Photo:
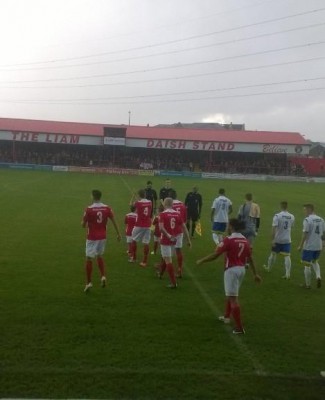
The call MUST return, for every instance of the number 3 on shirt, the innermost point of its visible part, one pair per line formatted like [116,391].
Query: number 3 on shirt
[99,217]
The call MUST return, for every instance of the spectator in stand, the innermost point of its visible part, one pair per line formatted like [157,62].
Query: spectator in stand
[151,195]
[167,191]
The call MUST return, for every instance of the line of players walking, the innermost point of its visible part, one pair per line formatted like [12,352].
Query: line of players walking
[171,219]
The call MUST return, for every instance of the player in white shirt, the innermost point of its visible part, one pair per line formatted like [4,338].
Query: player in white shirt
[220,210]
[281,238]
[312,244]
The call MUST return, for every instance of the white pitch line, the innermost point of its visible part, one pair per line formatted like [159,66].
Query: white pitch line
[259,368]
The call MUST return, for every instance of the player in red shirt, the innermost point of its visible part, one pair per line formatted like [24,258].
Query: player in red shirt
[141,230]
[170,224]
[95,218]
[181,208]
[129,221]
[237,252]
[156,232]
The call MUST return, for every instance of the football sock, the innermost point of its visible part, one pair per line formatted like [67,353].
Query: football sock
[130,249]
[271,260]
[235,311]
[134,250]
[145,253]
[101,266]
[89,270]
[228,309]
[215,238]
[307,275]
[171,273]
[179,256]
[287,264]
[316,269]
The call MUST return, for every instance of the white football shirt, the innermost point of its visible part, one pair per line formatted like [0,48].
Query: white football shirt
[221,206]
[314,226]
[283,222]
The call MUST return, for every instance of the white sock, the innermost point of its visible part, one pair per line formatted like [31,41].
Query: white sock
[215,238]
[271,260]
[316,269]
[287,264]
[307,275]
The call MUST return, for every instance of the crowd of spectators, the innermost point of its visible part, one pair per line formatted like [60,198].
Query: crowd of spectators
[139,158]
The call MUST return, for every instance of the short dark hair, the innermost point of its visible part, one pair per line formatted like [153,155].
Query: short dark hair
[142,193]
[249,196]
[222,191]
[97,194]
[149,183]
[309,206]
[284,205]
[237,225]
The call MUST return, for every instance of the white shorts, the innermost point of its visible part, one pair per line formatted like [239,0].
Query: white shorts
[179,241]
[141,234]
[95,248]
[128,239]
[166,251]
[233,278]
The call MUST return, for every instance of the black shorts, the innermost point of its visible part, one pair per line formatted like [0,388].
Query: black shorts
[193,215]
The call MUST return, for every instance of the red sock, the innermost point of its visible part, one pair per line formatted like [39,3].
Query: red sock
[179,256]
[89,269]
[101,266]
[162,267]
[235,311]
[155,247]
[130,249]
[171,273]
[145,253]
[134,250]
[228,309]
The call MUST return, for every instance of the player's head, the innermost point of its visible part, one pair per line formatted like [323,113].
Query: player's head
[97,194]
[222,191]
[132,208]
[235,225]
[195,189]
[309,208]
[249,196]
[149,184]
[284,205]
[142,193]
[168,202]
[168,183]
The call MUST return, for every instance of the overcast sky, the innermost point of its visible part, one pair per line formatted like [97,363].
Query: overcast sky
[257,62]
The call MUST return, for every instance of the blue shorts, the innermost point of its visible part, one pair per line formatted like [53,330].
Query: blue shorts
[282,248]
[219,227]
[310,256]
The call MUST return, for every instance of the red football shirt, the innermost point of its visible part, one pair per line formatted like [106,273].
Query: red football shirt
[143,210]
[236,248]
[129,221]
[155,223]
[96,217]
[172,222]
[182,210]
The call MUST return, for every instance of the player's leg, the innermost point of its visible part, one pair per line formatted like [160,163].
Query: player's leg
[316,269]
[135,238]
[271,259]
[179,255]
[146,236]
[90,254]
[155,244]
[166,252]
[287,266]
[100,261]
[306,258]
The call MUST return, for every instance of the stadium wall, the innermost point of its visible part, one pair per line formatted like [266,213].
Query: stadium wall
[140,172]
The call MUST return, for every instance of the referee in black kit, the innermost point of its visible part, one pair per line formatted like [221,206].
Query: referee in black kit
[167,191]
[151,195]
[193,203]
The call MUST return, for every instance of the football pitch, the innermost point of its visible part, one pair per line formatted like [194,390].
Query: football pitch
[135,339]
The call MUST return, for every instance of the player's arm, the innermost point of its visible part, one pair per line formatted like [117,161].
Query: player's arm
[208,258]
[84,220]
[164,232]
[116,228]
[257,278]
[273,233]
[303,239]
[230,209]
[185,230]
[212,214]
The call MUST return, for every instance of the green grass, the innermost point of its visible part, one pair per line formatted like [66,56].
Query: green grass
[135,339]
